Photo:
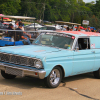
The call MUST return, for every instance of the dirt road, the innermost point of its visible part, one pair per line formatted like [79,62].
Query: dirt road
[80,87]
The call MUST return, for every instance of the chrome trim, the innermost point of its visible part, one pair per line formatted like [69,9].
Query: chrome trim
[76,39]
[20,62]
[19,55]
[55,76]
[26,72]
[35,64]
[74,43]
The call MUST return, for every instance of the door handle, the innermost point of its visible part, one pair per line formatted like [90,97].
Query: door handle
[93,51]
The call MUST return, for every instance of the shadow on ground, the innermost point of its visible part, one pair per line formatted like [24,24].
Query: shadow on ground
[78,77]
[28,82]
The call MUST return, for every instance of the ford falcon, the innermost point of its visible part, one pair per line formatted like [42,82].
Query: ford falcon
[53,56]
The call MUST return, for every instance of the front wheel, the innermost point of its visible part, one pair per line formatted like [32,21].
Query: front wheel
[7,76]
[54,78]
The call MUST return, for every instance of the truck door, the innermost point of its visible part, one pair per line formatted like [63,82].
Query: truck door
[95,47]
[83,57]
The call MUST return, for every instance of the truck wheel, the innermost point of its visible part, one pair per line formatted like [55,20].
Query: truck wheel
[97,73]
[54,78]
[7,76]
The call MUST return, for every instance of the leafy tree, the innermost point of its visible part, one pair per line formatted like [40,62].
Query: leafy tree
[52,10]
[9,7]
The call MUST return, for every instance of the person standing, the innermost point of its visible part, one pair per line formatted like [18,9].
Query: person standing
[67,29]
[78,28]
[10,33]
[88,29]
[16,24]
[20,35]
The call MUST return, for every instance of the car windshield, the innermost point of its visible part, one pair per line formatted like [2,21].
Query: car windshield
[55,40]
[47,28]
[42,28]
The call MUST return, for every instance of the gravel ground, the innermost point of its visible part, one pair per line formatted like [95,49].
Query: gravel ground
[80,87]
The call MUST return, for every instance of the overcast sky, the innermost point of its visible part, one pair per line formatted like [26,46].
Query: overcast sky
[88,0]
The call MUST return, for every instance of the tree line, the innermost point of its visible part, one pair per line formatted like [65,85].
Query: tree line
[52,10]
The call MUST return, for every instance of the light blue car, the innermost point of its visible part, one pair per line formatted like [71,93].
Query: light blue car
[53,56]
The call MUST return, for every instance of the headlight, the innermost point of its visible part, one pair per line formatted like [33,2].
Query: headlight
[38,64]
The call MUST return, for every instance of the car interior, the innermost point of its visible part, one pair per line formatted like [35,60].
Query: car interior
[83,43]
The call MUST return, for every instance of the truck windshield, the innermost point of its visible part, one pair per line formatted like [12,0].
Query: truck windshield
[55,40]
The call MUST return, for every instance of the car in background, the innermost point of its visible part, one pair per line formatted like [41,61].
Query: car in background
[4,25]
[45,21]
[11,40]
[47,28]
[41,30]
[33,25]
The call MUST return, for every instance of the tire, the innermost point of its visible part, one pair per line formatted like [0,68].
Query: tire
[54,78]
[7,76]
[97,74]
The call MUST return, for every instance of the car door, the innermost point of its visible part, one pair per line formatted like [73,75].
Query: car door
[83,58]
[95,46]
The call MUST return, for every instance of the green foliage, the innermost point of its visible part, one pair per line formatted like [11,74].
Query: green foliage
[9,7]
[53,10]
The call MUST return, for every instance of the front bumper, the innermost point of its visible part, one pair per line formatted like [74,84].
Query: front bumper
[22,71]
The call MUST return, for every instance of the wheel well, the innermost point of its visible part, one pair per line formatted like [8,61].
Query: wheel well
[63,72]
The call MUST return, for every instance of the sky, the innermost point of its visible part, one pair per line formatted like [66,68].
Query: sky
[88,0]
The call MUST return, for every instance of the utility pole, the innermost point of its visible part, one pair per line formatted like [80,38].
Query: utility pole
[43,8]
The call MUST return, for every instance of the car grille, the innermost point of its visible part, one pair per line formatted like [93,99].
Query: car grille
[16,59]
[14,71]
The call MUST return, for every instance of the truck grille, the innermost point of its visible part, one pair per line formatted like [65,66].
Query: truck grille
[16,59]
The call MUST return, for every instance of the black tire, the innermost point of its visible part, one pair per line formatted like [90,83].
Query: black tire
[7,76]
[54,78]
[97,74]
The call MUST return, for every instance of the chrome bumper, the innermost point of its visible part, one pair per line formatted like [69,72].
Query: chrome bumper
[22,71]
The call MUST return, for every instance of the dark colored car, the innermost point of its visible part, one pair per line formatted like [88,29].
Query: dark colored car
[3,26]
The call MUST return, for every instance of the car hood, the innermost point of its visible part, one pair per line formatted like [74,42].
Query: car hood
[36,51]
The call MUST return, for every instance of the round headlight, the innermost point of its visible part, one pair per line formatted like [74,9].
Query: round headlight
[38,64]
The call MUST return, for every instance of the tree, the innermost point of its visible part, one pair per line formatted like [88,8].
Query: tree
[9,7]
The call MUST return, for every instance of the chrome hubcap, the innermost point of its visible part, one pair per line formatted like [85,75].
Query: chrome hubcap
[54,77]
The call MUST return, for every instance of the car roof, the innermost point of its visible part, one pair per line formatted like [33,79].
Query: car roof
[80,33]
